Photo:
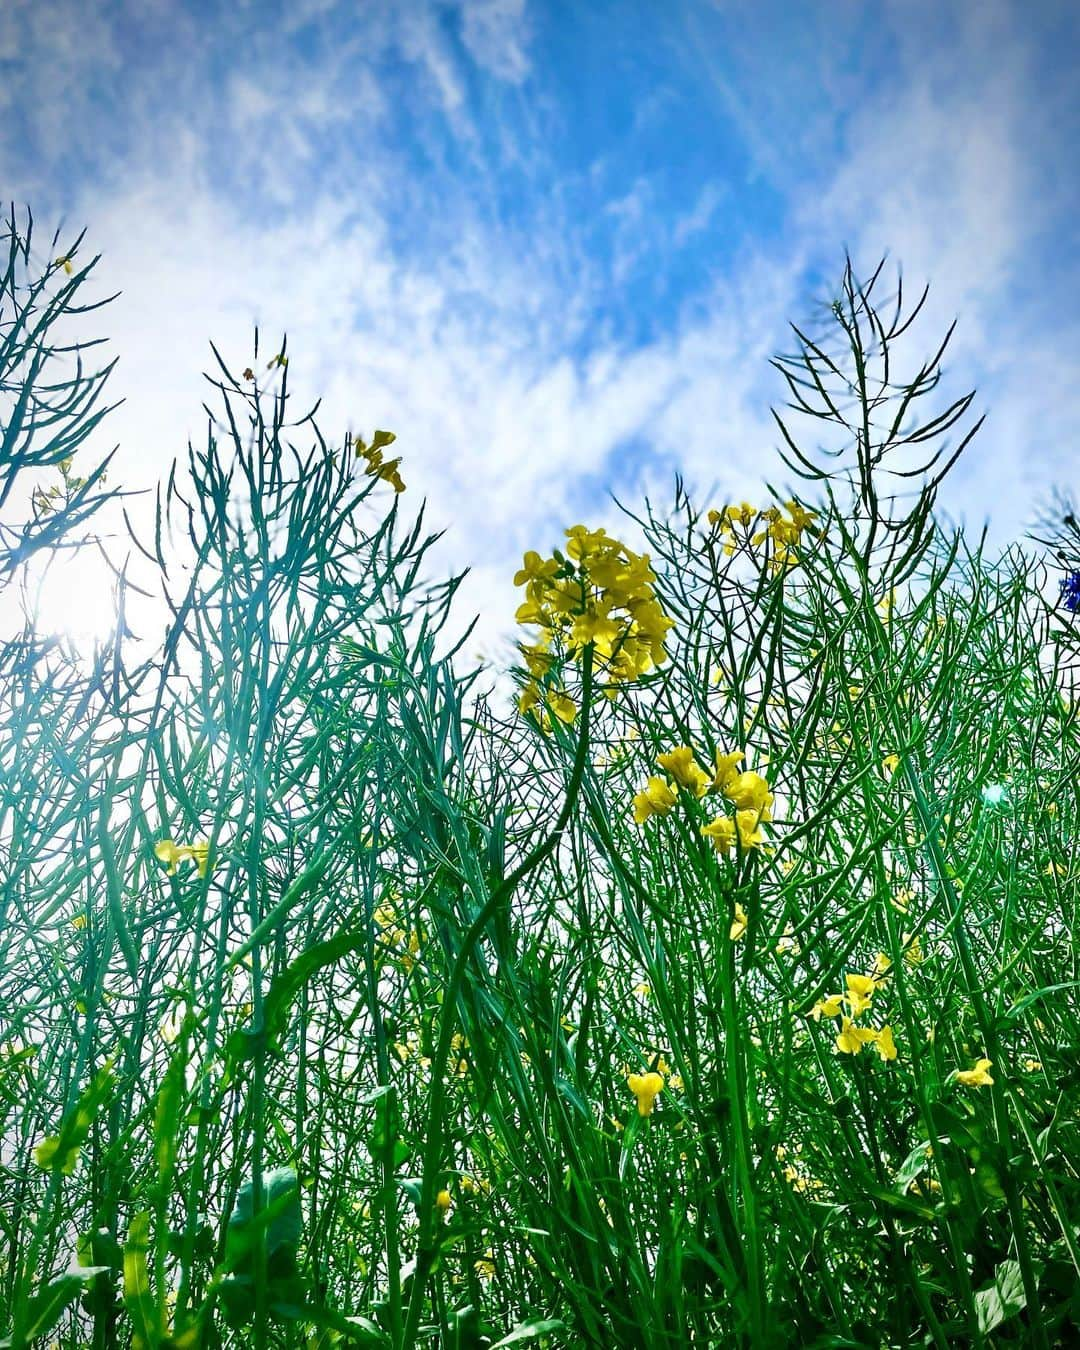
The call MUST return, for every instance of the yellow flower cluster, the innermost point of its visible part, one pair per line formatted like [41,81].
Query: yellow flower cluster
[785,534]
[801,1182]
[403,947]
[860,992]
[373,460]
[167,852]
[600,592]
[753,801]
[748,791]
[44,499]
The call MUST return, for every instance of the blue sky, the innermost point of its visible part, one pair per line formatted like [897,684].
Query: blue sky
[553,245]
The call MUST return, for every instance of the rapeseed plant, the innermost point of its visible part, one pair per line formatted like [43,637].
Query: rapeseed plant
[373,1083]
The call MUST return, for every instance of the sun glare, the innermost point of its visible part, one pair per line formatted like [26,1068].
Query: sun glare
[72,595]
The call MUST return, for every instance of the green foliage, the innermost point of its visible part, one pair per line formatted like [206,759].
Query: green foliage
[322,979]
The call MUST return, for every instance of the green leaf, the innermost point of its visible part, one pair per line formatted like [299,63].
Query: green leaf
[1011,1014]
[281,1220]
[904,1204]
[147,1319]
[1002,1299]
[912,1167]
[567,1090]
[357,1330]
[167,1123]
[248,1043]
[626,1144]
[60,1152]
[530,1330]
[50,1303]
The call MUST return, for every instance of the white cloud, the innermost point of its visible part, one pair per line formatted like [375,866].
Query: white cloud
[700,217]
[496,34]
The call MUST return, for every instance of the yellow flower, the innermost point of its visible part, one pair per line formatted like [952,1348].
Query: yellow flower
[725,768]
[787,941]
[443,1201]
[722,833]
[860,990]
[886,1046]
[656,799]
[913,953]
[598,627]
[529,611]
[738,928]
[535,569]
[385,915]
[852,1038]
[889,763]
[646,1088]
[563,706]
[800,518]
[750,792]
[485,1267]
[976,1077]
[680,764]
[373,454]
[167,852]
[408,959]
[583,542]
[749,835]
[642,990]
[79,921]
[389,473]
[828,1007]
[65,263]
[1032,1065]
[881,966]
[199,854]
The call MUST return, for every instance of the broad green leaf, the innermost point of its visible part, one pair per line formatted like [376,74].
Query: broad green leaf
[530,1331]
[1002,1299]
[50,1303]
[281,1220]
